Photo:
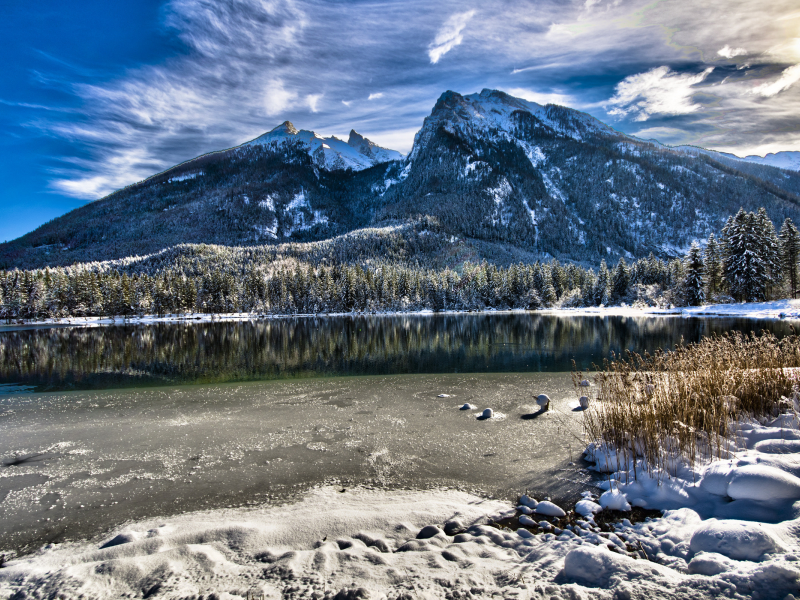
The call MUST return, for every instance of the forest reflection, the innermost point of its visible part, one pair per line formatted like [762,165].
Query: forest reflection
[187,353]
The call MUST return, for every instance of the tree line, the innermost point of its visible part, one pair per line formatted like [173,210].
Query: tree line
[749,261]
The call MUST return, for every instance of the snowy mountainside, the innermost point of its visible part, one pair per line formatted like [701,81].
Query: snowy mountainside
[329,153]
[781,160]
[532,180]
[560,183]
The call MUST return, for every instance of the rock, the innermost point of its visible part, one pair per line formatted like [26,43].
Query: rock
[763,483]
[525,510]
[585,383]
[527,521]
[453,527]
[543,400]
[443,396]
[549,509]
[584,402]
[487,413]
[528,501]
[428,532]
[468,406]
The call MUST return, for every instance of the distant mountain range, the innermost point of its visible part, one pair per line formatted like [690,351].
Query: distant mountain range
[506,176]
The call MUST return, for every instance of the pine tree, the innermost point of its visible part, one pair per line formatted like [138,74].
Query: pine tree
[713,265]
[768,246]
[790,254]
[620,281]
[602,289]
[693,282]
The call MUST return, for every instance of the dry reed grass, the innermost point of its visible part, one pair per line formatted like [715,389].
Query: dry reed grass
[680,406]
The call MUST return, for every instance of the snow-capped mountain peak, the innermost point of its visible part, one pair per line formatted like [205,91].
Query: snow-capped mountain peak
[495,113]
[329,153]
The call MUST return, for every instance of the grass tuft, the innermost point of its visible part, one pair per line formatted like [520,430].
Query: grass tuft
[678,407]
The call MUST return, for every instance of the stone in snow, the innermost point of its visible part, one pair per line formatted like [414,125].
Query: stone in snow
[528,501]
[543,400]
[549,509]
[487,413]
[585,383]
[468,406]
[525,510]
[443,396]
[428,531]
[584,402]
[527,521]
[453,527]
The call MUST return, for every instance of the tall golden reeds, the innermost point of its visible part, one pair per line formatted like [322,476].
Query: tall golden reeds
[680,406]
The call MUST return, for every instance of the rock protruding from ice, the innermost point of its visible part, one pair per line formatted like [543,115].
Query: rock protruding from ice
[584,402]
[528,501]
[487,413]
[468,406]
[527,521]
[428,532]
[739,540]
[543,400]
[549,509]
[453,527]
[525,510]
[443,396]
[585,383]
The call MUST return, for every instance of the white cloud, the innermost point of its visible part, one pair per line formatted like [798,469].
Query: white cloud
[658,91]
[277,98]
[787,79]
[449,36]
[375,96]
[541,98]
[728,52]
[313,100]
[347,103]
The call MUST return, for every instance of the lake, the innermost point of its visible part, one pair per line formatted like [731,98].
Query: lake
[101,426]
[75,358]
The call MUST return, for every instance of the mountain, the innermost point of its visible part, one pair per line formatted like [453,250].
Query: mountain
[561,183]
[331,153]
[783,160]
[508,177]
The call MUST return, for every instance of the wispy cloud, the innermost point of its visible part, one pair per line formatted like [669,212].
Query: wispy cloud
[449,36]
[658,91]
[250,64]
[787,79]
[727,52]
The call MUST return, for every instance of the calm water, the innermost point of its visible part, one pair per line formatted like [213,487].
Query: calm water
[190,353]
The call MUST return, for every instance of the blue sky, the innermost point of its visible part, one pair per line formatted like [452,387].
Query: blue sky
[97,95]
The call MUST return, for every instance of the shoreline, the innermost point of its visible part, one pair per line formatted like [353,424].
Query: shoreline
[774,310]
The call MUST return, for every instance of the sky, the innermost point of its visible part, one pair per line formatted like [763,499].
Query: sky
[98,95]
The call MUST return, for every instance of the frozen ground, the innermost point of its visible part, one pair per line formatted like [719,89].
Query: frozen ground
[77,464]
[731,528]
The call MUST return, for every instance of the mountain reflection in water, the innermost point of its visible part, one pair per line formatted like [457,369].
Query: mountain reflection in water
[188,353]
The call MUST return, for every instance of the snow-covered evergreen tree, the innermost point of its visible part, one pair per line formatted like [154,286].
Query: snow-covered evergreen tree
[694,275]
[790,255]
[713,266]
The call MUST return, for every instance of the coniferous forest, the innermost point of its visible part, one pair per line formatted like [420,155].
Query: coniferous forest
[401,270]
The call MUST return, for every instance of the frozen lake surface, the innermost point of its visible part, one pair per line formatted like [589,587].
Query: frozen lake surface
[78,463]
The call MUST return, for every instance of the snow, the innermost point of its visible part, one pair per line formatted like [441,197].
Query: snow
[737,540]
[328,153]
[548,509]
[185,177]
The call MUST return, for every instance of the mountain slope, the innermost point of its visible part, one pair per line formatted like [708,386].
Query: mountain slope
[529,180]
[561,183]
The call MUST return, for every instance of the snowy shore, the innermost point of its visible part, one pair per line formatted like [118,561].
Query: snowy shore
[776,309]
[731,528]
